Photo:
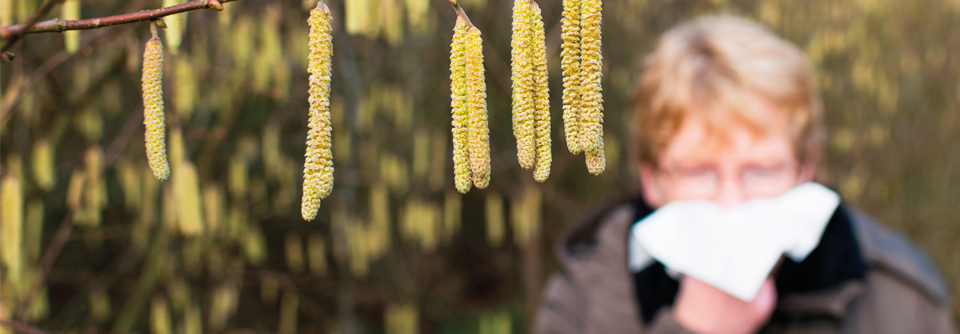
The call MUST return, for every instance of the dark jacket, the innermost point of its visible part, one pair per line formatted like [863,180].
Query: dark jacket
[862,278]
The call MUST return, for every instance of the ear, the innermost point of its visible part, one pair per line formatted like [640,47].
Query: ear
[652,193]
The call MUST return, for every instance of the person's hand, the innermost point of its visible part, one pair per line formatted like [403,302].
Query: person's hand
[704,309]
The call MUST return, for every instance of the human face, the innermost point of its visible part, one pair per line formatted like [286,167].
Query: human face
[699,165]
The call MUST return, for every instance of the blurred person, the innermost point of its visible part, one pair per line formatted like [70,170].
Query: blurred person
[728,112]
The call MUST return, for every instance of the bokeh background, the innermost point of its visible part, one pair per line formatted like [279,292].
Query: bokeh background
[221,246]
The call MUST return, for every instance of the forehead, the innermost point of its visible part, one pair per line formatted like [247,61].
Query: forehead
[737,142]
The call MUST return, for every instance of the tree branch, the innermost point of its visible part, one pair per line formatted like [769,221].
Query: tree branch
[58,25]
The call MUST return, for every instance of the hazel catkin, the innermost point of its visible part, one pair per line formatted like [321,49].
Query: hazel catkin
[477,103]
[459,109]
[596,160]
[522,66]
[541,95]
[318,162]
[570,66]
[153,118]
[591,117]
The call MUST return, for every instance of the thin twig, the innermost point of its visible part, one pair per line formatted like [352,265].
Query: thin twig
[21,327]
[461,13]
[58,25]
[53,251]
[11,40]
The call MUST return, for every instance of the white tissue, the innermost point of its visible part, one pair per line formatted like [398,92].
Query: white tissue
[735,249]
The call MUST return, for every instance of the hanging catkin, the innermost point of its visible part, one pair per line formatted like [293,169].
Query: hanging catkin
[523,89]
[591,113]
[570,65]
[152,82]
[458,104]
[477,104]
[318,163]
[541,94]
[596,161]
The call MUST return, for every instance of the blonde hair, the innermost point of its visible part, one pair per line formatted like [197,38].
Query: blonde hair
[714,66]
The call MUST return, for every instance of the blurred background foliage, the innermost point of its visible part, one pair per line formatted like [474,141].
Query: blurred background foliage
[221,246]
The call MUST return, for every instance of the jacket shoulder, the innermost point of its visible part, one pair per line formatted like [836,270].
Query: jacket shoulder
[890,252]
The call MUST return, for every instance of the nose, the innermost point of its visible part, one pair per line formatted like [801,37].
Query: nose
[730,192]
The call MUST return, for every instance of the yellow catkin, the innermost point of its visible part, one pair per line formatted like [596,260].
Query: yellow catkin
[591,117]
[541,95]
[522,77]
[596,161]
[43,168]
[75,190]
[159,316]
[459,109]
[380,214]
[11,227]
[570,65]
[71,38]
[318,165]
[93,192]
[152,82]
[479,133]
[254,247]
[6,12]
[213,206]
[189,204]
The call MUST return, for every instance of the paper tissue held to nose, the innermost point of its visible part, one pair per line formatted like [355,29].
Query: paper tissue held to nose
[734,249]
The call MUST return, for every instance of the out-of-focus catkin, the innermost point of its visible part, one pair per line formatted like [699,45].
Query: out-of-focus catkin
[523,83]
[318,165]
[153,119]
[541,95]
[43,165]
[71,38]
[570,66]
[477,101]
[175,25]
[591,117]
[458,105]
[11,226]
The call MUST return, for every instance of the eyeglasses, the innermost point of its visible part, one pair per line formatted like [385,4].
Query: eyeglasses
[704,182]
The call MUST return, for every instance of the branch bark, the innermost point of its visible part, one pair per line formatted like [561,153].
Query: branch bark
[57,25]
